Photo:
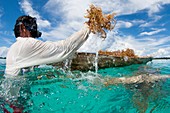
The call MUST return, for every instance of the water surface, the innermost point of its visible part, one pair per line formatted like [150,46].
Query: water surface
[54,90]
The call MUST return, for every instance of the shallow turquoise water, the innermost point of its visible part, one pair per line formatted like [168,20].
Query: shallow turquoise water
[60,91]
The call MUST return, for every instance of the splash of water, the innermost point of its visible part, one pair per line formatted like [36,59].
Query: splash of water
[66,64]
[10,87]
[97,55]
[96,62]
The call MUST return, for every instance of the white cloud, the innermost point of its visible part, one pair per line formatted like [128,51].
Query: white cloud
[131,6]
[93,44]
[72,15]
[3,51]
[123,24]
[8,41]
[60,32]
[148,46]
[73,12]
[1,13]
[152,32]
[155,8]
[155,18]
[27,8]
[161,52]
[137,21]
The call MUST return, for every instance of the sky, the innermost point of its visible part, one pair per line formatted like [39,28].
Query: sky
[142,25]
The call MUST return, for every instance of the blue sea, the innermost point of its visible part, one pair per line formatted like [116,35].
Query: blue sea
[50,89]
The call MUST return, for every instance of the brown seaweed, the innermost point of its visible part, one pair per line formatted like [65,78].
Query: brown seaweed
[98,21]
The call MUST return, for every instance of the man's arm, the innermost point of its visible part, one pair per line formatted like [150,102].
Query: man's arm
[50,52]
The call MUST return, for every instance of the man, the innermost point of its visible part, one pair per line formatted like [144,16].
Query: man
[27,51]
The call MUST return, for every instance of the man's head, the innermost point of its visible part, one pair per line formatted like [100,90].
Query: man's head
[26,26]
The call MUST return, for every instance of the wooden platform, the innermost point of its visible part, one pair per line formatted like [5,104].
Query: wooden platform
[86,61]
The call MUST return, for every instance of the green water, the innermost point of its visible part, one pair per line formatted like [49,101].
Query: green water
[60,91]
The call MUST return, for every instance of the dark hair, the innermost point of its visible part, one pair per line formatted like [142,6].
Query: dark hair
[29,23]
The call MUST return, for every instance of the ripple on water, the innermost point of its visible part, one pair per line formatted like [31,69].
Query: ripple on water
[79,92]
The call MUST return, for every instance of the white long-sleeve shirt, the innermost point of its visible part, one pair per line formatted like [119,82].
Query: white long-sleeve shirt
[27,52]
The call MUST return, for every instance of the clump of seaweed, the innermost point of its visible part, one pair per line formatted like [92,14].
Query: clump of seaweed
[128,52]
[98,21]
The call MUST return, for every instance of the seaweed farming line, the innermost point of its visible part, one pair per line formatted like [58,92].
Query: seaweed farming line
[156,58]
[161,58]
[2,57]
